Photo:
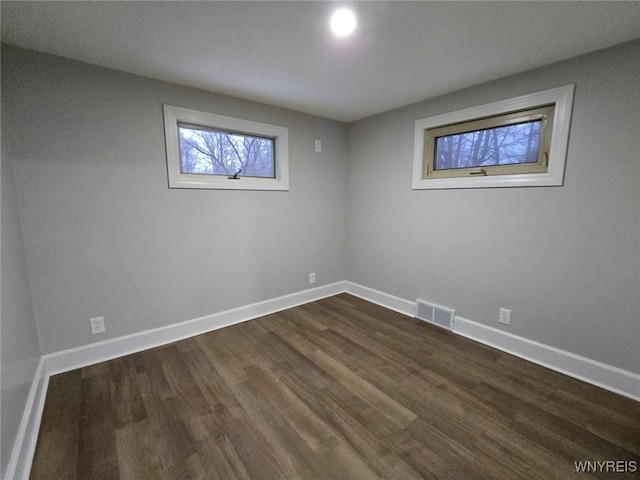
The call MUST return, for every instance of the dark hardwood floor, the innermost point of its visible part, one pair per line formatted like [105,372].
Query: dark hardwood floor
[337,389]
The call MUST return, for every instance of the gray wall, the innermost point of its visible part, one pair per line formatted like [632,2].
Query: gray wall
[85,202]
[20,348]
[565,259]
[103,235]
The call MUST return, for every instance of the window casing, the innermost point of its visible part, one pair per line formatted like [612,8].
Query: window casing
[516,142]
[206,150]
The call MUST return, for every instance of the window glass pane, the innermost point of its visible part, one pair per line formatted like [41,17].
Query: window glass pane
[507,145]
[210,152]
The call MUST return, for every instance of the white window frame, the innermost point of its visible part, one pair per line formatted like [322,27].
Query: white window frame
[175,115]
[561,98]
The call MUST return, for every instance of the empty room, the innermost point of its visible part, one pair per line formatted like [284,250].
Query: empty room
[320,240]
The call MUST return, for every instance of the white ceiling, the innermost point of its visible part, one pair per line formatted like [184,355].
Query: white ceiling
[282,53]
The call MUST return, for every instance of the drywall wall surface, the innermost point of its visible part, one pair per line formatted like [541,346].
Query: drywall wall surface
[105,236]
[565,259]
[20,347]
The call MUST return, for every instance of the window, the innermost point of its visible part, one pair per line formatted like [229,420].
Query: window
[517,142]
[205,151]
[504,144]
[211,151]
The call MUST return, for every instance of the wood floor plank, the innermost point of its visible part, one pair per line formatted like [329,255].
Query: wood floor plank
[58,442]
[359,426]
[334,389]
[137,455]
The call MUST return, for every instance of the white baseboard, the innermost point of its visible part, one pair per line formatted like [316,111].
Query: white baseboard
[24,446]
[611,378]
[21,459]
[591,371]
[74,358]
[391,302]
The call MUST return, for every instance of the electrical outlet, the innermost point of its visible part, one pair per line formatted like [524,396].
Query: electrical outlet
[312,278]
[97,325]
[505,316]
[318,146]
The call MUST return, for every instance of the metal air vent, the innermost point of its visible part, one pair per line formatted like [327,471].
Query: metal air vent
[435,314]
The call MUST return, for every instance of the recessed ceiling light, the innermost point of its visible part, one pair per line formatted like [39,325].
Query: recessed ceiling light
[343,22]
